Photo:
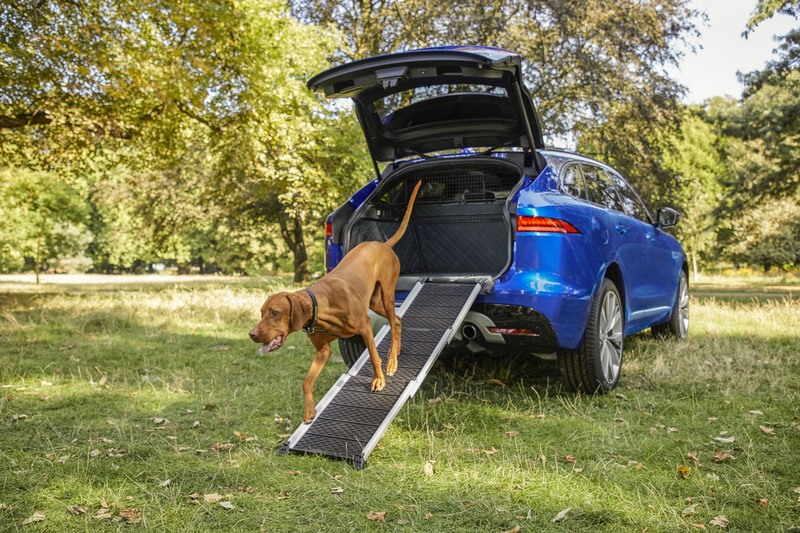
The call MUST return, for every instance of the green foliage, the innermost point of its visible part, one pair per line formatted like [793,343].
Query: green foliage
[766,9]
[176,119]
[767,235]
[692,155]
[41,218]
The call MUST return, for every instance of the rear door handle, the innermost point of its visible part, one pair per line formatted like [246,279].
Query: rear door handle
[622,230]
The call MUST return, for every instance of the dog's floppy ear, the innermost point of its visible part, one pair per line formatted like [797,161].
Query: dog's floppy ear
[300,311]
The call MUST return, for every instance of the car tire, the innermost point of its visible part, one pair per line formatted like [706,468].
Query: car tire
[596,366]
[351,349]
[677,327]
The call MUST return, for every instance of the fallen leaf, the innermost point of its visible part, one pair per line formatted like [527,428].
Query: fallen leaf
[212,498]
[757,413]
[5,507]
[102,381]
[511,434]
[427,469]
[720,456]
[195,495]
[689,511]
[619,420]
[562,515]
[37,516]
[165,483]
[768,431]
[283,496]
[515,529]
[377,517]
[762,502]
[103,514]
[684,471]
[725,440]
[293,473]
[159,421]
[490,451]
[698,526]
[195,424]
[720,521]
[227,505]
[692,456]
[242,436]
[77,509]
[570,459]
[129,516]
[493,381]
[17,418]
[636,465]
[337,490]
[45,383]
[428,516]
[221,447]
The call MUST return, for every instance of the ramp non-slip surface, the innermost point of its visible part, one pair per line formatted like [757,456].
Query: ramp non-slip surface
[351,418]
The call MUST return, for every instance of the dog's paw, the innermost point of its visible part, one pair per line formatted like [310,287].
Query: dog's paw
[391,366]
[378,384]
[308,415]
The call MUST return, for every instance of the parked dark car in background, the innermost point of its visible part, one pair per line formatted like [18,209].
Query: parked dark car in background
[570,258]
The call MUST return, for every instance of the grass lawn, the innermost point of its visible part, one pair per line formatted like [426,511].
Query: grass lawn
[146,405]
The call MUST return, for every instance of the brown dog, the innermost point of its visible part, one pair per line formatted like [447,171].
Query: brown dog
[364,279]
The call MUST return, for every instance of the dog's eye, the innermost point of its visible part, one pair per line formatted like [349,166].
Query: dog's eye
[273,313]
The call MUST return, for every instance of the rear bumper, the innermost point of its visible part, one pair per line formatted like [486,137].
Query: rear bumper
[506,327]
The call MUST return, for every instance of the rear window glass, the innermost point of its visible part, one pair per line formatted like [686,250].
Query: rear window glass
[388,105]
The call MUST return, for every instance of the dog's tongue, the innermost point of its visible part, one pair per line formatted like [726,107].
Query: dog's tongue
[272,345]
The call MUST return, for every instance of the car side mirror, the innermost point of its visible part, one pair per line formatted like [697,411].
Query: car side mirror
[667,217]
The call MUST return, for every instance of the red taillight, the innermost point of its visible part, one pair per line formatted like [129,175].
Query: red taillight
[545,225]
[514,331]
[328,230]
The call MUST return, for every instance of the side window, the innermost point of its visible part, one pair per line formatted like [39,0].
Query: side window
[572,182]
[601,191]
[631,203]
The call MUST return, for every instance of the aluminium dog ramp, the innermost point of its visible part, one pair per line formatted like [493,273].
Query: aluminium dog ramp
[351,419]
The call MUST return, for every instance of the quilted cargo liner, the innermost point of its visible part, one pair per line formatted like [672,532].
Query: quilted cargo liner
[450,239]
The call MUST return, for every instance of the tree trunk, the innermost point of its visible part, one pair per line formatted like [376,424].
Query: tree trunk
[37,262]
[292,233]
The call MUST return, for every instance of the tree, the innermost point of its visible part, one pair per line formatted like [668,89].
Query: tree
[694,157]
[40,218]
[201,105]
[766,9]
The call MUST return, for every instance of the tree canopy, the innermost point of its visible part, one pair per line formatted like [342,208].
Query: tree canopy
[183,132]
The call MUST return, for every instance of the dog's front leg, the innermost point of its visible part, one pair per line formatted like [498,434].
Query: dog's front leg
[320,358]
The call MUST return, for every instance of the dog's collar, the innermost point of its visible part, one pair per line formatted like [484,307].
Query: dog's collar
[311,328]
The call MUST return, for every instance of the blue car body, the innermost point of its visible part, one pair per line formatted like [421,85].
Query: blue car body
[542,228]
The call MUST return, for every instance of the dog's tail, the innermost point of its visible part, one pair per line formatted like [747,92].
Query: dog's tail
[404,224]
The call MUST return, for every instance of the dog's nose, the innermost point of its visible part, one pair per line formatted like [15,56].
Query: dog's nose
[253,334]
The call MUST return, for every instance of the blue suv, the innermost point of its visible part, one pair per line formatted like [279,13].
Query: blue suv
[570,258]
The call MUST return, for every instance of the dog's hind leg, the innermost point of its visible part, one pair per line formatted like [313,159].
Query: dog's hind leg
[382,303]
[378,379]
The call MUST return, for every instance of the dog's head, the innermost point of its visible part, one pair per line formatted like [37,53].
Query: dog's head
[282,314]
